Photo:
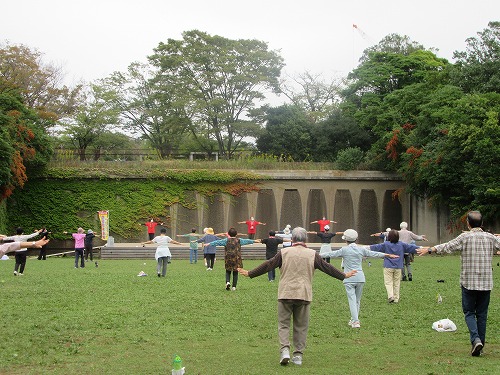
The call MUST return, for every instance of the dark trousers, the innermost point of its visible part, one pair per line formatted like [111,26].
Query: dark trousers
[475,307]
[235,277]
[79,254]
[43,253]
[20,262]
[210,260]
[89,251]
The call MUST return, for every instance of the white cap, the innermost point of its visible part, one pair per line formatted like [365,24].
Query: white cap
[327,227]
[350,235]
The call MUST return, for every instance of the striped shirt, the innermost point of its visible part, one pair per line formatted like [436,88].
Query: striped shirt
[477,248]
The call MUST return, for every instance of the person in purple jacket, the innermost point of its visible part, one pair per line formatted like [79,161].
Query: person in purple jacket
[393,266]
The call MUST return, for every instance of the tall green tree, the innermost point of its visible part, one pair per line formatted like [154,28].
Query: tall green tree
[219,81]
[149,107]
[478,67]
[287,134]
[92,118]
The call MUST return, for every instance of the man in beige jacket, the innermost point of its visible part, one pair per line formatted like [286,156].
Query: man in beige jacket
[297,264]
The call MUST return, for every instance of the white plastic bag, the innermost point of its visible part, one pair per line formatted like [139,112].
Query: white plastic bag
[444,325]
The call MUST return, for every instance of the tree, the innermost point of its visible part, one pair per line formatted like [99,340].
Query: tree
[314,95]
[394,43]
[23,143]
[460,166]
[23,70]
[91,119]
[219,80]
[287,134]
[478,67]
[149,107]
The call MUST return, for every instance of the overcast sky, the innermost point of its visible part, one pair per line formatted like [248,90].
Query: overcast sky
[91,39]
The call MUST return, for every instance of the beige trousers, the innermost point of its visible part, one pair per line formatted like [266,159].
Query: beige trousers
[392,282]
[299,310]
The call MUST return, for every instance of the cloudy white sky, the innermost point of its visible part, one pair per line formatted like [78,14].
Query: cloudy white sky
[91,39]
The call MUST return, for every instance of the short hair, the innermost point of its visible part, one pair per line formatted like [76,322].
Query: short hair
[163,230]
[403,225]
[475,219]
[272,233]
[299,234]
[393,236]
[232,232]
[193,230]
[19,230]
[80,230]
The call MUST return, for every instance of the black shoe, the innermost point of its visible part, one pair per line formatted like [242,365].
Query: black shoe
[410,277]
[476,348]
[404,278]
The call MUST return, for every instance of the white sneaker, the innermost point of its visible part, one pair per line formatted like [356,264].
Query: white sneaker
[15,273]
[228,285]
[233,288]
[350,323]
[297,359]
[19,274]
[285,357]
[356,325]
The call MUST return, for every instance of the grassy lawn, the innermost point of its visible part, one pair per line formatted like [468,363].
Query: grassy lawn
[106,320]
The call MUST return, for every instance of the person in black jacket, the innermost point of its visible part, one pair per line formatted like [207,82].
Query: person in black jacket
[271,249]
[89,245]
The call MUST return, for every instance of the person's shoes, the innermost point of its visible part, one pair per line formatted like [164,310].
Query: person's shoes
[208,268]
[356,325]
[404,278]
[228,285]
[410,277]
[15,273]
[285,357]
[297,359]
[350,323]
[477,346]
[159,275]
[233,288]
[390,300]
[19,274]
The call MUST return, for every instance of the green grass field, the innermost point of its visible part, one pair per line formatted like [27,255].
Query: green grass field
[106,320]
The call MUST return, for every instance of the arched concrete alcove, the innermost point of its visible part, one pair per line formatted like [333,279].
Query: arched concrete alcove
[368,216]
[266,212]
[238,211]
[291,209]
[343,212]
[391,211]
[316,208]
[214,213]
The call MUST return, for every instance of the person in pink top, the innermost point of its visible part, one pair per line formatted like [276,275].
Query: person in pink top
[79,238]
[251,226]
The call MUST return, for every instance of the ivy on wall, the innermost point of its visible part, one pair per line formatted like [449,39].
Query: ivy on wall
[65,199]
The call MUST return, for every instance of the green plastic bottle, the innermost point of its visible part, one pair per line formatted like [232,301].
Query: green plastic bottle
[177,363]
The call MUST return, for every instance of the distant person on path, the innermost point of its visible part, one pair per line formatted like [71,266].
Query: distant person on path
[251,226]
[209,250]
[21,254]
[232,255]
[272,243]
[476,249]
[79,238]
[322,222]
[151,225]
[44,233]
[297,264]
[353,255]
[326,239]
[393,266]
[162,254]
[407,236]
[89,245]
[193,245]
[286,236]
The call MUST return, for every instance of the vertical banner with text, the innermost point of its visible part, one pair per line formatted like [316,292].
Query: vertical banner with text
[104,219]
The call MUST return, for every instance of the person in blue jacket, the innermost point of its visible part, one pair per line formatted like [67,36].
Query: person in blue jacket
[353,255]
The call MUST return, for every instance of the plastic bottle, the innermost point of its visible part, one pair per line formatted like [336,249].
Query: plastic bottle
[177,366]
[439,298]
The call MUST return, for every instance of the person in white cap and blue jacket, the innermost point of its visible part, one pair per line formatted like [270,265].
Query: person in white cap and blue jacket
[352,256]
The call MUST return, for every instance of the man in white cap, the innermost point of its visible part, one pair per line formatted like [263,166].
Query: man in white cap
[326,239]
[408,236]
[352,256]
